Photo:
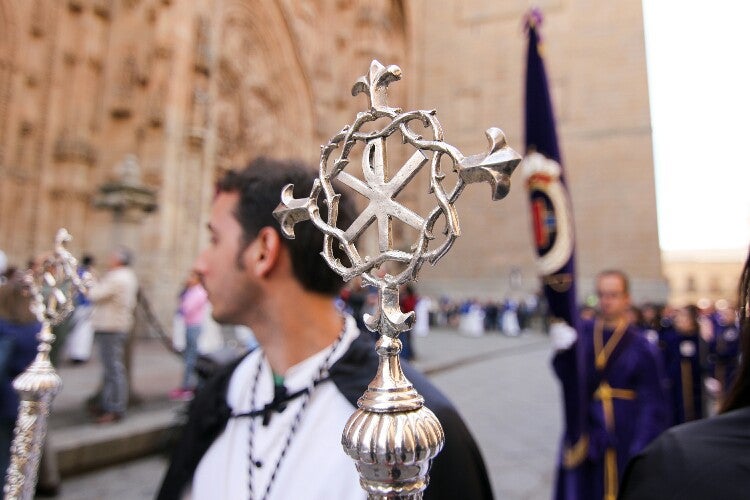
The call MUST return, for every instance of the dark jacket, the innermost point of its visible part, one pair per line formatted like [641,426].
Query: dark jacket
[704,459]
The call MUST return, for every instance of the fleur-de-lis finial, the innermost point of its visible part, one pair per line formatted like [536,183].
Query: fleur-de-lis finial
[494,167]
[376,85]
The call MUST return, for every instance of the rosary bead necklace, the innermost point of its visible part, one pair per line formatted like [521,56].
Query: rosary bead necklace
[306,394]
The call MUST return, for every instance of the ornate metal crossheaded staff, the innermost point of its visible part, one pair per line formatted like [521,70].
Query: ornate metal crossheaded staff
[392,436]
[52,286]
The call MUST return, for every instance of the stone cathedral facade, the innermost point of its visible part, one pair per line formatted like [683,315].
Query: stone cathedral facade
[167,94]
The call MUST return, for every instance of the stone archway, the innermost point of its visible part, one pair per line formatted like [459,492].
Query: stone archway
[263,104]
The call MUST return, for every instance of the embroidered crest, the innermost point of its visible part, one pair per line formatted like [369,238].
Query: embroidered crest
[552,217]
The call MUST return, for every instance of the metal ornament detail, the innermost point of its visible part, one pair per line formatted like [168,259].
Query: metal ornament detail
[52,286]
[392,436]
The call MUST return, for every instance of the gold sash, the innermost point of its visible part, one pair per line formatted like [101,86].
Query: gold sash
[606,394]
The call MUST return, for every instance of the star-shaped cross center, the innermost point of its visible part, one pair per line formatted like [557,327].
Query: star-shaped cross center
[381,193]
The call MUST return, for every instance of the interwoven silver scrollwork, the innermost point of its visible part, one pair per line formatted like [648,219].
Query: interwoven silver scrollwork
[494,167]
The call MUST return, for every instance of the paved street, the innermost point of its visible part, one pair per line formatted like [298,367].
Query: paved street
[508,396]
[502,386]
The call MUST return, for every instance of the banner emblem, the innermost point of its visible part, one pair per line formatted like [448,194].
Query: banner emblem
[551,213]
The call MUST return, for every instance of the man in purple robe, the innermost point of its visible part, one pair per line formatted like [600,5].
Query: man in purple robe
[682,361]
[625,403]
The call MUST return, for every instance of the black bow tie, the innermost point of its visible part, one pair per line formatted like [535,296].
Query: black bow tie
[281,398]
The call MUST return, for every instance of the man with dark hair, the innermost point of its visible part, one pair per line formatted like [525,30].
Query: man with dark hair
[622,388]
[270,424]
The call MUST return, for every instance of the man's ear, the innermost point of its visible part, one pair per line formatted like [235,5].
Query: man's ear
[265,251]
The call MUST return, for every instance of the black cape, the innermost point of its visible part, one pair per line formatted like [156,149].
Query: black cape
[704,459]
[457,472]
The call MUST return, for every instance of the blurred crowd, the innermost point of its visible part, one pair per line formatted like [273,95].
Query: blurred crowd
[699,345]
[471,316]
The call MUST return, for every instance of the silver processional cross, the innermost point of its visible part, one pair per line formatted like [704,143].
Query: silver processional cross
[392,436]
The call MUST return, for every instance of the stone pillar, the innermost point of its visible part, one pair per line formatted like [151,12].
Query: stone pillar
[130,201]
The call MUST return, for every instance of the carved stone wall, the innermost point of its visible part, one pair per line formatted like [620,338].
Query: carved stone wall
[263,103]
[194,87]
[191,88]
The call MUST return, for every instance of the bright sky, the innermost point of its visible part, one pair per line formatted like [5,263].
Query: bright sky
[699,86]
